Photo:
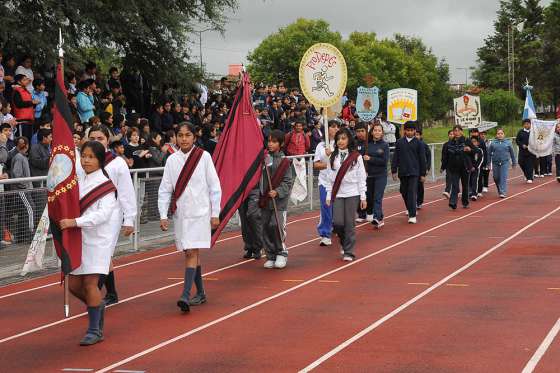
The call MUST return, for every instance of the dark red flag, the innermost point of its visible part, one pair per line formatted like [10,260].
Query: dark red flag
[239,154]
[62,182]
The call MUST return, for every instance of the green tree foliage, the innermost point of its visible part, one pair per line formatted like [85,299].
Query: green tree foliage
[398,62]
[150,36]
[500,106]
[525,21]
[551,55]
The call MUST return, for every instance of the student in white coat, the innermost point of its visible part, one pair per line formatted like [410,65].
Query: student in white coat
[97,202]
[190,186]
[125,213]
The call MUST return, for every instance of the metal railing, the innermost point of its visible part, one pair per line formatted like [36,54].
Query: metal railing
[18,207]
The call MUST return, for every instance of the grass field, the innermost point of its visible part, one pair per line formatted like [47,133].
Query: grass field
[439,134]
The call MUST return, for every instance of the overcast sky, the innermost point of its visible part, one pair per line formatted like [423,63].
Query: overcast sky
[454,29]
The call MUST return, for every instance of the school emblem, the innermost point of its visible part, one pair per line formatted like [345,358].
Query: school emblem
[59,171]
[367,103]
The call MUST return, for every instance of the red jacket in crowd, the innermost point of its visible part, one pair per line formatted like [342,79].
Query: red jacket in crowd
[297,143]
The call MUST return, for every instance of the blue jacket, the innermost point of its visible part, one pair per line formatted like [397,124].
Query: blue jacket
[409,158]
[85,107]
[501,151]
[42,98]
[378,152]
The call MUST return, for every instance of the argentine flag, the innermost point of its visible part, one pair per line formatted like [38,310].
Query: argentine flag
[529,111]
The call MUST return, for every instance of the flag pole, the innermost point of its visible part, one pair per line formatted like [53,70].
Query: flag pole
[61,61]
[273,202]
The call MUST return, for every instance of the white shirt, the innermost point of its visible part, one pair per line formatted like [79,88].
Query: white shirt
[353,183]
[119,174]
[201,197]
[321,156]
[96,225]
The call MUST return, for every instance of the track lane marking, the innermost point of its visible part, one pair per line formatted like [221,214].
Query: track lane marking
[310,281]
[426,292]
[541,350]
[175,251]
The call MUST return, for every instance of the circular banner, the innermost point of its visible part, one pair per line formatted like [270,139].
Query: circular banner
[322,75]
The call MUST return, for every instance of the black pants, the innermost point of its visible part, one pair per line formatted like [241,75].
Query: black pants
[409,190]
[483,179]
[447,181]
[543,166]
[251,222]
[420,193]
[557,161]
[463,177]
[474,185]
[527,164]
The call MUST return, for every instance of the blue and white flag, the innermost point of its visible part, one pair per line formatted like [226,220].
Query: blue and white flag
[529,111]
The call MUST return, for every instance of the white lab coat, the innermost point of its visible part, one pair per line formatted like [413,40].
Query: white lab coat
[97,232]
[198,203]
[126,209]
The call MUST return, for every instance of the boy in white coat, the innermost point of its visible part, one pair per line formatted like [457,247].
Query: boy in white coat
[190,185]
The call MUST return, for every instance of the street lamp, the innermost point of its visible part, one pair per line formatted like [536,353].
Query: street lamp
[200,46]
[511,53]
[466,76]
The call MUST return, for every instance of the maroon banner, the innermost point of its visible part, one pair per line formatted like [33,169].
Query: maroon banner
[62,182]
[239,155]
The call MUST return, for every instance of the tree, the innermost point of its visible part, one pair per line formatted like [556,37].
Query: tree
[492,71]
[278,56]
[402,62]
[149,36]
[500,106]
[551,42]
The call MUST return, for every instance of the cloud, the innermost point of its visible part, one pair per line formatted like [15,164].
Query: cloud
[454,29]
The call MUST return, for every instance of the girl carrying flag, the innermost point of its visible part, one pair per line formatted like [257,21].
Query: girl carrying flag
[346,189]
[125,213]
[190,190]
[97,204]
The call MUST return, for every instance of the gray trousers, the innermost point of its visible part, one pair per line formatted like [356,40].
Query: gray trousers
[273,245]
[344,223]
[251,222]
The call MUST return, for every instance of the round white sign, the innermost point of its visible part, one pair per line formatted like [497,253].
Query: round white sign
[323,75]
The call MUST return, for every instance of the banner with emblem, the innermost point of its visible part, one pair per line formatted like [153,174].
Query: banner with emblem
[367,103]
[62,182]
[541,137]
[402,105]
[467,111]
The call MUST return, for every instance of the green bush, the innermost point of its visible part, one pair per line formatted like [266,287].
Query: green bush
[500,106]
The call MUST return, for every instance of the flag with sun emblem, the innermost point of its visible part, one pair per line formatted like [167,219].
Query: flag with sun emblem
[62,182]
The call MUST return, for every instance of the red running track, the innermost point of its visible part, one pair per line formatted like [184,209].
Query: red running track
[259,320]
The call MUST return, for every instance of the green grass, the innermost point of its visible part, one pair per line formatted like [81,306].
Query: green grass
[439,134]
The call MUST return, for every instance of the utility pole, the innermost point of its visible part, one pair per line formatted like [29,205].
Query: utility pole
[466,76]
[200,47]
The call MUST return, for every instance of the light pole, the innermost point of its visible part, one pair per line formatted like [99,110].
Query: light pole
[466,76]
[200,46]
[511,53]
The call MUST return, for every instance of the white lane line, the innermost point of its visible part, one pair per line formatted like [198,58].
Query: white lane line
[410,302]
[140,261]
[532,364]
[125,300]
[77,370]
[129,371]
[175,251]
[310,281]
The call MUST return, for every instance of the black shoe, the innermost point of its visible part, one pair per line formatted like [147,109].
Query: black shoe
[111,298]
[183,304]
[197,300]
[91,338]
[248,255]
[453,207]
[465,206]
[256,255]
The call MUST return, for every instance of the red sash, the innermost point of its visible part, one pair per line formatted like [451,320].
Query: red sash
[275,181]
[96,193]
[344,167]
[185,176]
[108,157]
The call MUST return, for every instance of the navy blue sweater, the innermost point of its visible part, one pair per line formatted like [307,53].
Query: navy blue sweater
[409,158]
